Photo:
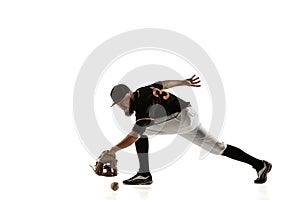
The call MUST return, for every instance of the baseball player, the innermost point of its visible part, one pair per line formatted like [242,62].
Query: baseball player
[160,112]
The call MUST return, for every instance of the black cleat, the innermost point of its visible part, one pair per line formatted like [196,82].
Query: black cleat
[262,173]
[139,179]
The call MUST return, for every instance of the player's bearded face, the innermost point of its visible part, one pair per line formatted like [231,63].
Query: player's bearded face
[125,105]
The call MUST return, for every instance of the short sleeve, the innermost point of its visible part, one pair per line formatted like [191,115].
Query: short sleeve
[158,85]
[141,125]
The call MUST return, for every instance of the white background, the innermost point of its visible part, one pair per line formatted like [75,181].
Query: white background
[254,45]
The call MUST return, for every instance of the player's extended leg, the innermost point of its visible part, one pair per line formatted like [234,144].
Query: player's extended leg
[143,177]
[262,167]
[201,138]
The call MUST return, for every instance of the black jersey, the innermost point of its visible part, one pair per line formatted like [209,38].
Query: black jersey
[152,102]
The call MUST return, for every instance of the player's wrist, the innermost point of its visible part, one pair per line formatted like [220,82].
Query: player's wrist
[114,149]
[185,82]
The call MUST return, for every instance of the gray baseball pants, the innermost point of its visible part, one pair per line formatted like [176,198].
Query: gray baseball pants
[186,123]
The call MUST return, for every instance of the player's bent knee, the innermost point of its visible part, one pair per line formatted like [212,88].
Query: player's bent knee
[219,148]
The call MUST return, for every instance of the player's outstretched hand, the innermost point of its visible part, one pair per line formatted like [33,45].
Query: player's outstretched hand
[193,81]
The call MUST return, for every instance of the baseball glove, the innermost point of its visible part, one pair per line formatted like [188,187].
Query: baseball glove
[106,164]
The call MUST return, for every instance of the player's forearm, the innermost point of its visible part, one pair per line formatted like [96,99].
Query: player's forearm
[131,138]
[173,83]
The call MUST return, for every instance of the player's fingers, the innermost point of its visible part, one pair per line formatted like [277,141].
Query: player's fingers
[196,79]
[196,82]
[196,85]
[193,76]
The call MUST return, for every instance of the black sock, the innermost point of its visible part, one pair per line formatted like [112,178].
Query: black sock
[142,148]
[237,154]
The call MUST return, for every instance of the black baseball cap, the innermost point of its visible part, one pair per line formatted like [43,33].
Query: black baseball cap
[118,93]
